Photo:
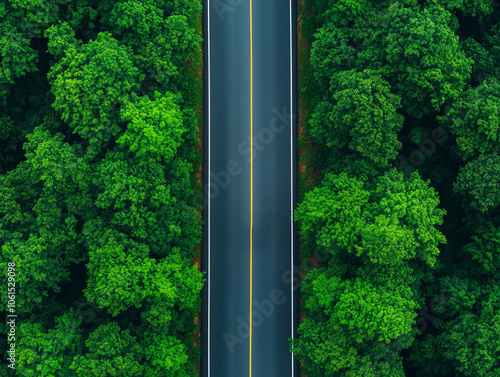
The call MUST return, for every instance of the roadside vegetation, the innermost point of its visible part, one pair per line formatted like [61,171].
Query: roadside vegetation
[400,103]
[98,145]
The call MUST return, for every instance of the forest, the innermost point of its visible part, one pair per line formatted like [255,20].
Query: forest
[98,134]
[400,198]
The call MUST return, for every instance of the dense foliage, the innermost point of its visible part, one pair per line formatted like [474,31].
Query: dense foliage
[97,145]
[403,115]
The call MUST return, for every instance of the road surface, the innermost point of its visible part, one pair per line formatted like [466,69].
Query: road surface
[249,246]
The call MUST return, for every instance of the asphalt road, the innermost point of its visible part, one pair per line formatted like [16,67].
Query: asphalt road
[249,246]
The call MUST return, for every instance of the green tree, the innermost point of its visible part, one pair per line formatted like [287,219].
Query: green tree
[478,183]
[395,219]
[17,59]
[49,352]
[467,340]
[111,352]
[362,114]
[485,66]
[90,83]
[166,356]
[331,53]
[378,234]
[485,247]
[161,37]
[472,343]
[32,17]
[355,325]
[474,8]
[122,275]
[414,49]
[154,128]
[61,37]
[421,58]
[42,203]
[143,200]
[474,119]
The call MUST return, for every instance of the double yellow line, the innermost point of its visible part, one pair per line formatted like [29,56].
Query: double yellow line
[251,185]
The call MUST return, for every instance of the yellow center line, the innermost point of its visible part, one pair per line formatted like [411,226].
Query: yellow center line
[251,185]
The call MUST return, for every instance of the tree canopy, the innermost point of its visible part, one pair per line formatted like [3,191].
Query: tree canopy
[398,188]
[98,128]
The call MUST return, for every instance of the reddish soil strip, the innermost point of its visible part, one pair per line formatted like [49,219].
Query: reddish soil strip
[307,145]
[199,182]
